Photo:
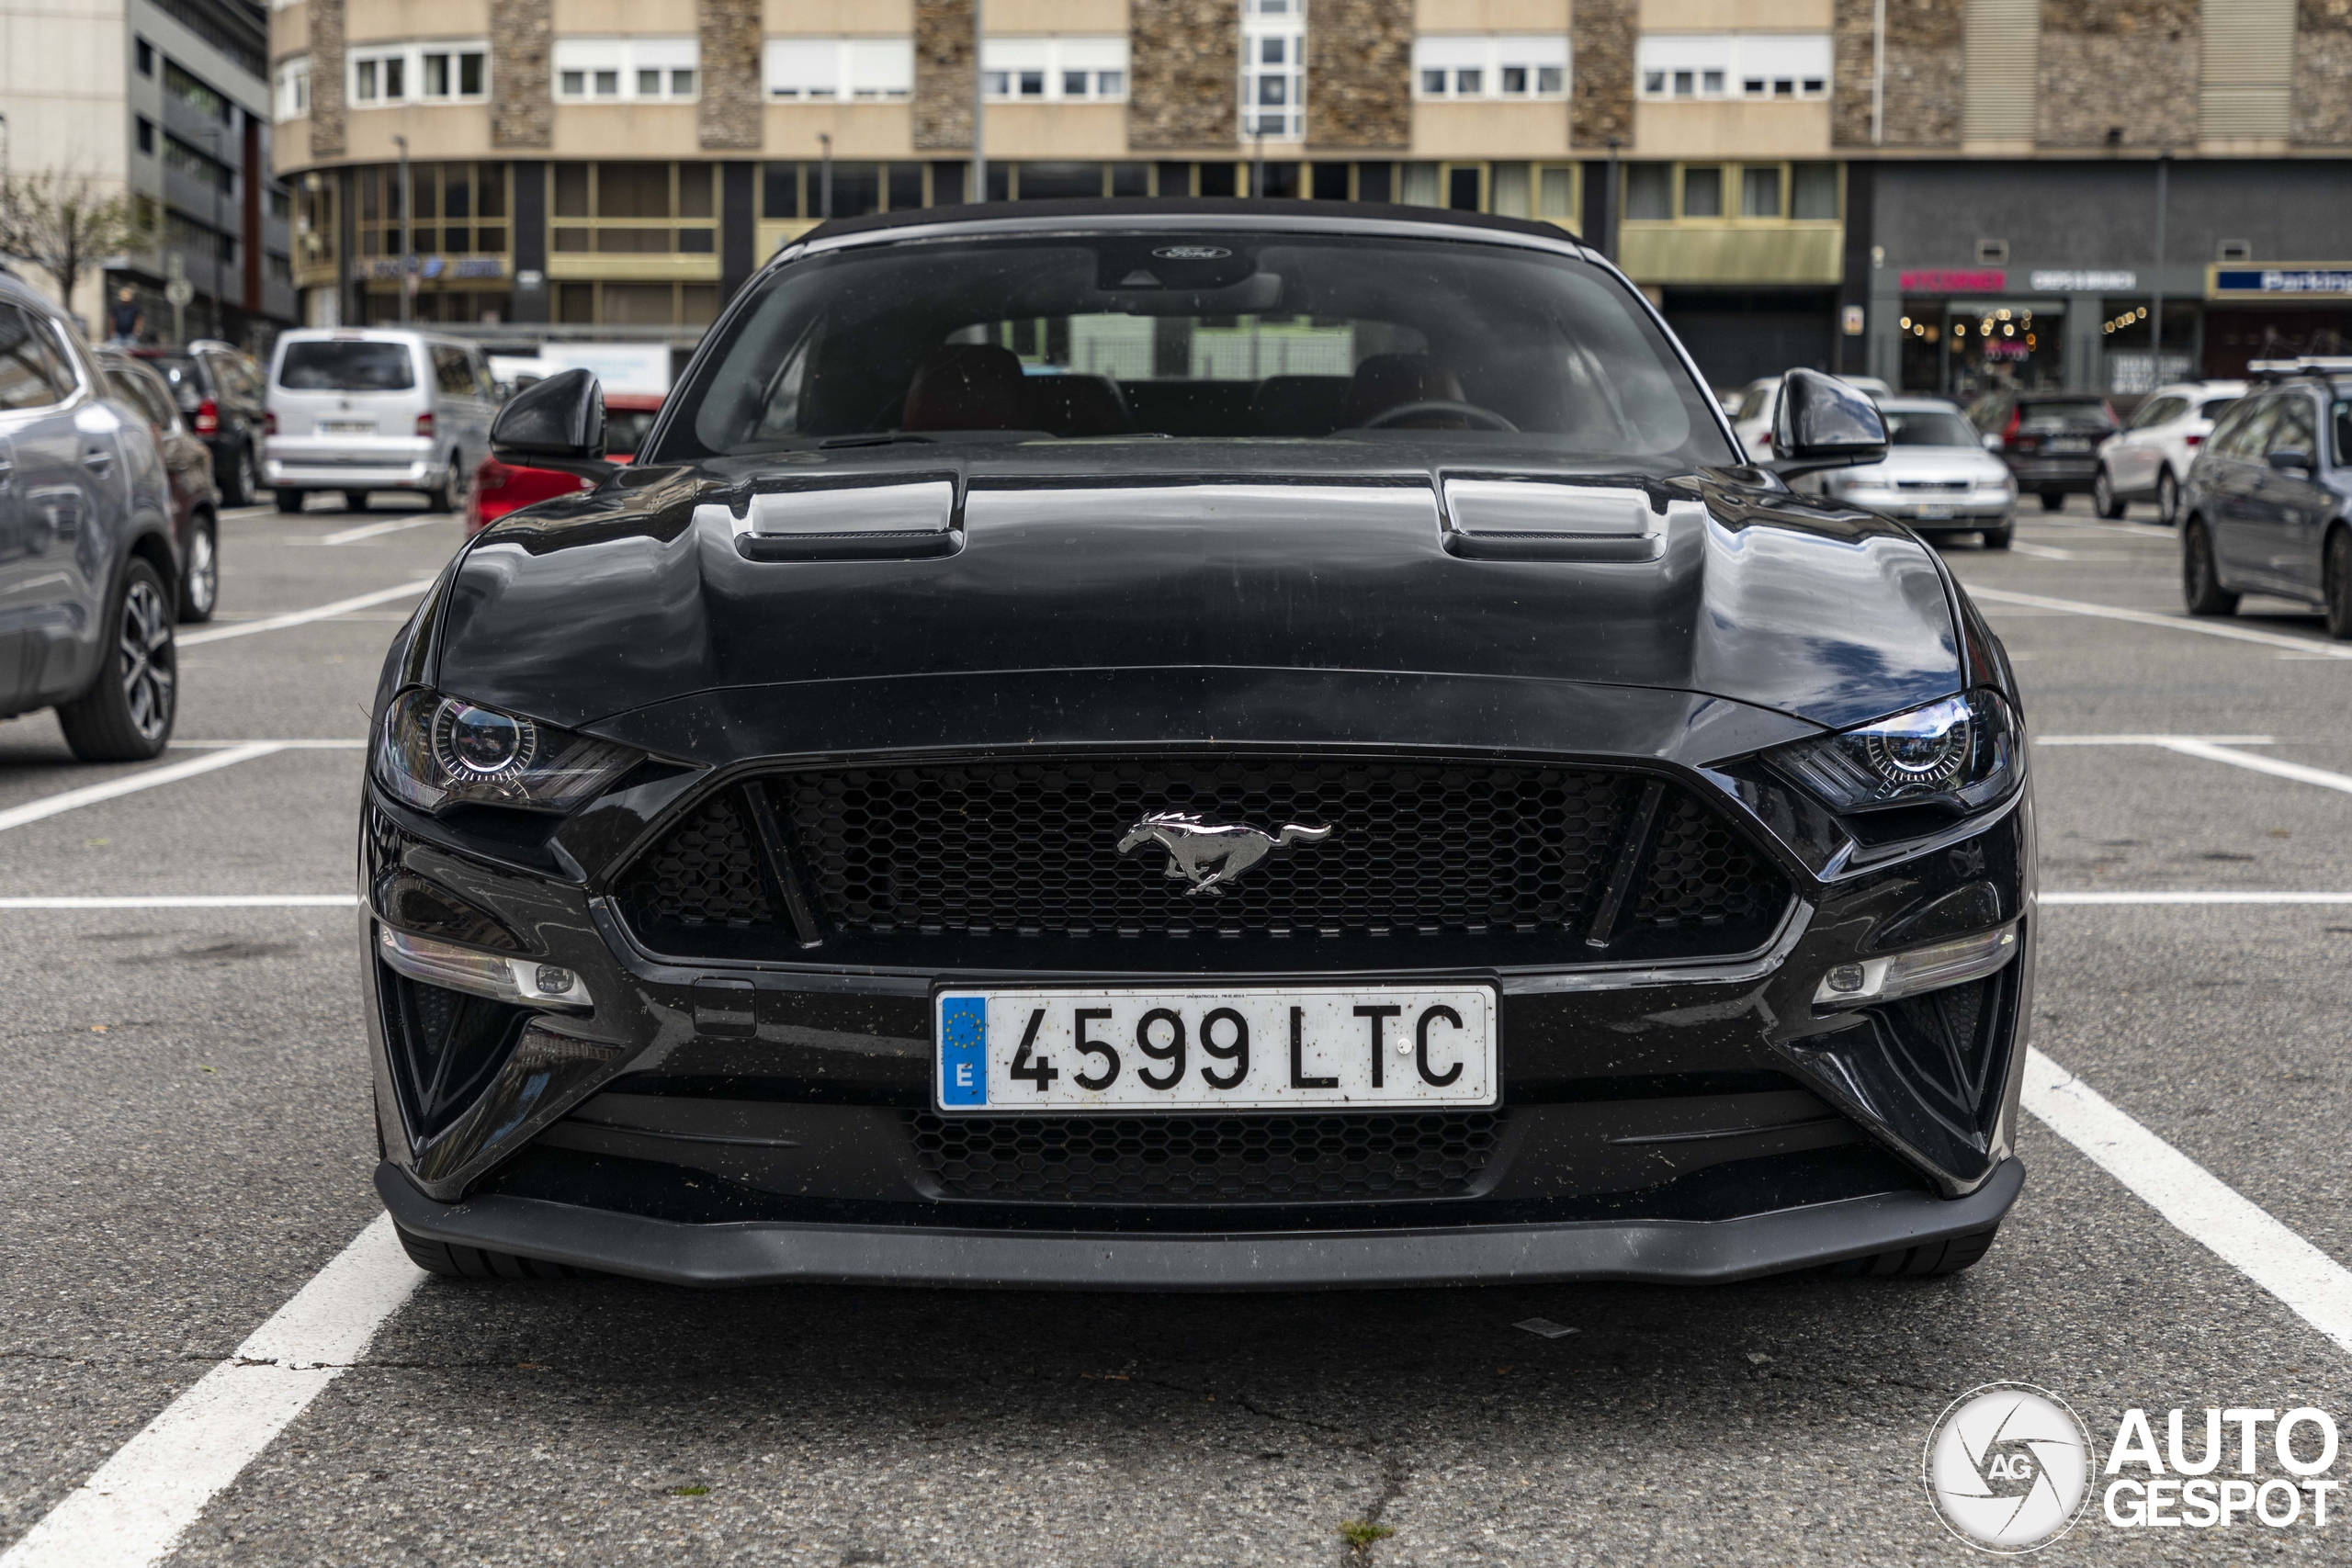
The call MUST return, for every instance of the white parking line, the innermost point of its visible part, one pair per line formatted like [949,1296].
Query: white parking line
[134,1508]
[303,617]
[2170,623]
[2215,749]
[2187,898]
[2201,1205]
[2046,552]
[2145,530]
[352,744]
[2151,739]
[372,530]
[191,901]
[131,783]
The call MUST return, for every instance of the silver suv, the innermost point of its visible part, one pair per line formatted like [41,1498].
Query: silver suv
[87,566]
[373,409]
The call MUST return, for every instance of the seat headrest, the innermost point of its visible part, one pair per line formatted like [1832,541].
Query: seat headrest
[969,386]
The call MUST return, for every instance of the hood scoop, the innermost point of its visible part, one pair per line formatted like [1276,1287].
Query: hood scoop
[1536,520]
[912,520]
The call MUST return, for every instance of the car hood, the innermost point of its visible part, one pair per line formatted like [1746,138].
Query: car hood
[584,610]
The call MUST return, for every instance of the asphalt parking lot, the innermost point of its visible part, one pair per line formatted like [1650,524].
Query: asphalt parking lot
[185,1143]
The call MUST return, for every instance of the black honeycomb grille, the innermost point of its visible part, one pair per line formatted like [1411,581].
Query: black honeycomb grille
[1035,847]
[1208,1159]
[1701,873]
[892,857]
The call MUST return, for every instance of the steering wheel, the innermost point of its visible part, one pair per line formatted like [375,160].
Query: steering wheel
[1484,418]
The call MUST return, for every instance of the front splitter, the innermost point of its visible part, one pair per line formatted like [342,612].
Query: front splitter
[770,1252]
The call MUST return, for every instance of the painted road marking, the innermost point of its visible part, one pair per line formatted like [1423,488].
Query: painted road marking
[2201,1205]
[2216,749]
[134,1508]
[191,901]
[2170,623]
[2187,898]
[303,617]
[373,530]
[330,745]
[2047,552]
[170,773]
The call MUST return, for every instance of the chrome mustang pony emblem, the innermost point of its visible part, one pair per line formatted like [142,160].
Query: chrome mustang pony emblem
[1210,854]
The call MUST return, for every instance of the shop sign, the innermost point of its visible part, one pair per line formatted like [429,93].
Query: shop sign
[435,267]
[2328,279]
[1939,280]
[2086,282]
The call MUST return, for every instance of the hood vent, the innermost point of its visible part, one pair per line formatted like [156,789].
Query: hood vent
[885,522]
[1536,520]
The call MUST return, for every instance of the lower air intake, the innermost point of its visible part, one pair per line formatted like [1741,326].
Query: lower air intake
[1208,1159]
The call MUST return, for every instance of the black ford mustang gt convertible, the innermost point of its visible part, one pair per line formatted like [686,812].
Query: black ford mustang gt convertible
[1195,745]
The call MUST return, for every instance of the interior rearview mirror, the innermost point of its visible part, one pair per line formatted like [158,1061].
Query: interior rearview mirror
[557,422]
[1822,422]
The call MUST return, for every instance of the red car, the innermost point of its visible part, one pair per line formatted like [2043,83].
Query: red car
[501,487]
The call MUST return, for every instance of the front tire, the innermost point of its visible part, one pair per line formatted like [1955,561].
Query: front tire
[288,500]
[239,485]
[2200,583]
[2053,500]
[2103,498]
[2167,499]
[1931,1261]
[200,580]
[2002,537]
[2336,582]
[126,715]
[473,1262]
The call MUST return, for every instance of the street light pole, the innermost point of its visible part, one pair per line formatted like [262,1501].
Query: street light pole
[980,191]
[825,182]
[407,193]
[2156,309]
[1609,249]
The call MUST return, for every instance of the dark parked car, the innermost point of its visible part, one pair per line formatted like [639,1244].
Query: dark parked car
[224,392]
[2269,501]
[1195,745]
[2050,440]
[87,564]
[196,501]
[501,487]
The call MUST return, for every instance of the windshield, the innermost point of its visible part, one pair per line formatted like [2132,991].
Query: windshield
[346,367]
[2215,407]
[1212,334]
[187,384]
[1932,428]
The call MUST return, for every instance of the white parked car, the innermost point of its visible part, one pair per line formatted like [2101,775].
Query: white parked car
[2149,458]
[1936,476]
[356,410]
[1753,420]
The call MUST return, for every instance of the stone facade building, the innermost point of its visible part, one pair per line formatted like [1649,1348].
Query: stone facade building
[1835,182]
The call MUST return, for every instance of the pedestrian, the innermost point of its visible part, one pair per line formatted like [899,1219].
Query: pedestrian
[125,321]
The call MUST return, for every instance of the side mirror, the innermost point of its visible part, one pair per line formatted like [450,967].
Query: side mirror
[2287,460]
[557,422]
[1822,422]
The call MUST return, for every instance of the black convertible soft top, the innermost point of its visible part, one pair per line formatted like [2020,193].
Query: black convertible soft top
[1370,212]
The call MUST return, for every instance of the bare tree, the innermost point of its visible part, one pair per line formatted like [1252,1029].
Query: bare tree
[64,224]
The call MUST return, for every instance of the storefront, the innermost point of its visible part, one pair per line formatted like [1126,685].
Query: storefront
[2275,312]
[1966,332]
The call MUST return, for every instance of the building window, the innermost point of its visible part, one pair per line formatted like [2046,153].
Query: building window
[1055,69]
[194,93]
[635,209]
[1274,69]
[828,70]
[1478,65]
[146,55]
[633,70]
[1766,66]
[454,211]
[294,88]
[197,165]
[422,73]
[146,136]
[1763,192]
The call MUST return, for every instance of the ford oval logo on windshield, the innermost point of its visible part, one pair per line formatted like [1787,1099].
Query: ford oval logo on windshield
[1191,253]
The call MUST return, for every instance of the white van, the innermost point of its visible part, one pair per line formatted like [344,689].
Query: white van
[368,409]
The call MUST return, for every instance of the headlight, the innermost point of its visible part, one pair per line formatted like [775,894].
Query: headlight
[1962,751]
[438,750]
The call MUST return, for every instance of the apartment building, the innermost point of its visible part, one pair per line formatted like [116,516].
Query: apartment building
[167,101]
[1939,191]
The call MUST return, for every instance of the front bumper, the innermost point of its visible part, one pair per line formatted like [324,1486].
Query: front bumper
[758,1253]
[368,475]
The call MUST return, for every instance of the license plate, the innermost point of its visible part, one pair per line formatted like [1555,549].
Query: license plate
[346,427]
[1152,1048]
[2070,444]
[1934,513]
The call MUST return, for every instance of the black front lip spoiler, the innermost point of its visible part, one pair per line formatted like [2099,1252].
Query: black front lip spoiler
[766,1252]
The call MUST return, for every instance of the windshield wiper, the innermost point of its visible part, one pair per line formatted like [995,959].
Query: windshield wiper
[884,438]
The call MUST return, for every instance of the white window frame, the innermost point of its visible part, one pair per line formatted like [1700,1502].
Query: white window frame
[1278,24]
[367,65]
[1440,61]
[839,70]
[1718,67]
[579,66]
[293,87]
[1098,63]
